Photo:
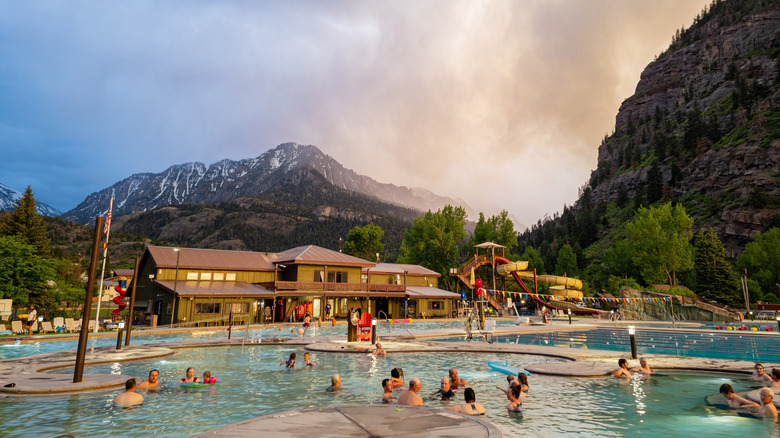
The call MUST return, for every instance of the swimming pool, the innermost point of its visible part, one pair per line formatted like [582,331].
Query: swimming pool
[726,345]
[252,384]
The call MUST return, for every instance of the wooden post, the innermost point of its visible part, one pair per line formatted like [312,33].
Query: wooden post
[81,351]
[132,302]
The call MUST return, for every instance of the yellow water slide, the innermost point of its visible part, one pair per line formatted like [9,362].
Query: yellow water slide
[565,286]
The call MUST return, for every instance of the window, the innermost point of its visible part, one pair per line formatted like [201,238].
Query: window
[333,276]
[205,276]
[435,305]
[237,307]
[192,276]
[343,305]
[230,276]
[201,308]
[219,276]
[364,278]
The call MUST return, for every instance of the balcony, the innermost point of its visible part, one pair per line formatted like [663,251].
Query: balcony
[337,287]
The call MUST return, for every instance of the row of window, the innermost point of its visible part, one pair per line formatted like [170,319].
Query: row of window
[203,308]
[333,277]
[209,276]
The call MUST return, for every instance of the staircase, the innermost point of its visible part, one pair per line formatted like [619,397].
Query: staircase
[463,272]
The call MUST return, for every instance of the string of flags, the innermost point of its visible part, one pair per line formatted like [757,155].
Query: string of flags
[521,295]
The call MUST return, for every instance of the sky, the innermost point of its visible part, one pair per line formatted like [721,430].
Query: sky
[500,103]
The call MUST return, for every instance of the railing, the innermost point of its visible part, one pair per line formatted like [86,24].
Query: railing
[338,287]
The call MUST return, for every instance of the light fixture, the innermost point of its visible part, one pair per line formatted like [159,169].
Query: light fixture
[632,338]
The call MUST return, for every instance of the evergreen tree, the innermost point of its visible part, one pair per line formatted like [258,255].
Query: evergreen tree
[533,258]
[497,229]
[714,276]
[25,222]
[762,260]
[23,273]
[566,262]
[365,242]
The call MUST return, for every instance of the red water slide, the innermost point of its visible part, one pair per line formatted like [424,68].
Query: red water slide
[118,301]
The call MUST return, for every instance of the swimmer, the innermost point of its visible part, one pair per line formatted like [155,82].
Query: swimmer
[387,395]
[471,407]
[307,360]
[379,350]
[153,381]
[455,381]
[129,397]
[767,406]
[190,376]
[335,384]
[643,367]
[410,397]
[622,372]
[208,379]
[289,363]
[515,396]
[398,381]
[734,400]
[775,378]
[445,392]
[522,379]
[760,375]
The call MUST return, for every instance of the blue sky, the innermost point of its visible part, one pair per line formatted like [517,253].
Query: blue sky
[438,94]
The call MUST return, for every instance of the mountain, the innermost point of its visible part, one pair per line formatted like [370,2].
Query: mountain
[196,183]
[8,197]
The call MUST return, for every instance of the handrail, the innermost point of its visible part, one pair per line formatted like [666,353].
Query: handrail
[389,325]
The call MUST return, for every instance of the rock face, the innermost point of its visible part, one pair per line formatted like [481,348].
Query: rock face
[8,197]
[196,183]
[684,309]
[707,113]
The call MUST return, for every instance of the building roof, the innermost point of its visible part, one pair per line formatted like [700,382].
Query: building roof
[316,255]
[416,292]
[398,268]
[197,258]
[239,289]
[124,272]
[489,245]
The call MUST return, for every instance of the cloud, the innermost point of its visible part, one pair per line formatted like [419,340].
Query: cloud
[501,103]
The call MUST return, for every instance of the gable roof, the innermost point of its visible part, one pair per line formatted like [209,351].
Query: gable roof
[316,255]
[399,269]
[197,258]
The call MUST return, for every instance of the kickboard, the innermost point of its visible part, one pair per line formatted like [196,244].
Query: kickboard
[503,367]
[197,385]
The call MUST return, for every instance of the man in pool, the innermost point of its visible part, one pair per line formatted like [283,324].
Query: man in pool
[335,383]
[410,397]
[734,400]
[767,406]
[760,375]
[455,381]
[129,397]
[622,372]
[445,392]
[643,367]
[387,395]
[379,350]
[153,381]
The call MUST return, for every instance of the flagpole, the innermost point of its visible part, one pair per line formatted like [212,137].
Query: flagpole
[103,271]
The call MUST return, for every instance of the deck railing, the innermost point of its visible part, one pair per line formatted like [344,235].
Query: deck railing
[338,287]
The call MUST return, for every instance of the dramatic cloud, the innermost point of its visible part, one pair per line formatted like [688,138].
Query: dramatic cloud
[500,103]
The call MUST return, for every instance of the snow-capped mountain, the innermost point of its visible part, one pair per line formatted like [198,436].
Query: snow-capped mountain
[196,183]
[8,197]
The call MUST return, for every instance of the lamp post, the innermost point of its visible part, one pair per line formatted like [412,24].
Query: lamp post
[175,281]
[569,312]
[631,333]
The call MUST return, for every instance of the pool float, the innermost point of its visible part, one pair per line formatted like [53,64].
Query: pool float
[191,385]
[504,367]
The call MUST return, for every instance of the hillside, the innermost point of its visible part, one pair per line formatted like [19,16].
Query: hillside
[702,129]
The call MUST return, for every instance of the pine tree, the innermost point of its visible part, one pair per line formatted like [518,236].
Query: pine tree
[25,222]
[714,277]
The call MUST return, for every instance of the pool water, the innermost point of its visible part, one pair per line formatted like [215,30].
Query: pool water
[727,345]
[253,384]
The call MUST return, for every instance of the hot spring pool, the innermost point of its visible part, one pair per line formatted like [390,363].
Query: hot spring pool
[253,384]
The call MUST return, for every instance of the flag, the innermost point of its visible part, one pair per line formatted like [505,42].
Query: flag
[108,223]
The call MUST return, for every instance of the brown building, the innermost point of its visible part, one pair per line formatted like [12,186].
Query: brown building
[185,285]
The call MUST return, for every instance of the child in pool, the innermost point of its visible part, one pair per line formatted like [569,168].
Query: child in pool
[289,363]
[307,360]
[208,379]
[734,400]
[190,376]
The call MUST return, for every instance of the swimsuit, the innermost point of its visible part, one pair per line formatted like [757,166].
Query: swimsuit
[474,410]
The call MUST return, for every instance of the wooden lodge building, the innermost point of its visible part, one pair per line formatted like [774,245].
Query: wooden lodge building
[185,285]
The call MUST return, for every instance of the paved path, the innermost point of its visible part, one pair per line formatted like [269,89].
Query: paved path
[358,422]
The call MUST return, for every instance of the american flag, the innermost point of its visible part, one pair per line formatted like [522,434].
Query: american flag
[108,223]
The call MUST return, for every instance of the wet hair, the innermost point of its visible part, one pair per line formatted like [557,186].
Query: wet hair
[757,365]
[395,374]
[621,362]
[775,374]
[401,372]
[292,355]
[154,371]
[384,383]
[306,354]
[515,390]
[726,389]
[335,379]
[510,379]
[523,379]
[469,395]
[207,374]
[130,384]
[190,368]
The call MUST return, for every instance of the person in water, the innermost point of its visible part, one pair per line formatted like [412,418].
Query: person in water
[379,350]
[190,376]
[760,375]
[775,378]
[410,397]
[515,397]
[622,372]
[767,405]
[129,397]
[445,392]
[152,383]
[735,401]
[208,378]
[643,367]
[395,375]
[335,383]
[455,381]
[387,395]
[471,407]
[289,363]
[522,379]
[307,360]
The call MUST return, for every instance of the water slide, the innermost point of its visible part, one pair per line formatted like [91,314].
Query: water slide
[566,286]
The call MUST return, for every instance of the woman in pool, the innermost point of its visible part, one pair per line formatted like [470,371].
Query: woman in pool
[289,363]
[396,375]
[734,400]
[190,376]
[514,395]
[760,376]
[471,407]
[523,379]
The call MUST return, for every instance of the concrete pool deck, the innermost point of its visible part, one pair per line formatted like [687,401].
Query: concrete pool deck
[359,421]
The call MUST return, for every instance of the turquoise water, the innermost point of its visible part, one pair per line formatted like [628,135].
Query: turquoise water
[252,384]
[725,345]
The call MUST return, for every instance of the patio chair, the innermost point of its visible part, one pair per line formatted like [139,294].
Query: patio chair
[46,327]
[35,326]
[59,324]
[70,325]
[91,325]
[16,327]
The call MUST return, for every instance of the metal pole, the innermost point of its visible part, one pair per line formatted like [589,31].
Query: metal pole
[632,337]
[119,340]
[81,351]
[175,281]
[230,324]
[132,302]
[103,271]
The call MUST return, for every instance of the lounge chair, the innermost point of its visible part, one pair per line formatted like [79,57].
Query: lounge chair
[91,325]
[59,324]
[70,325]
[35,326]
[16,327]
[46,327]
